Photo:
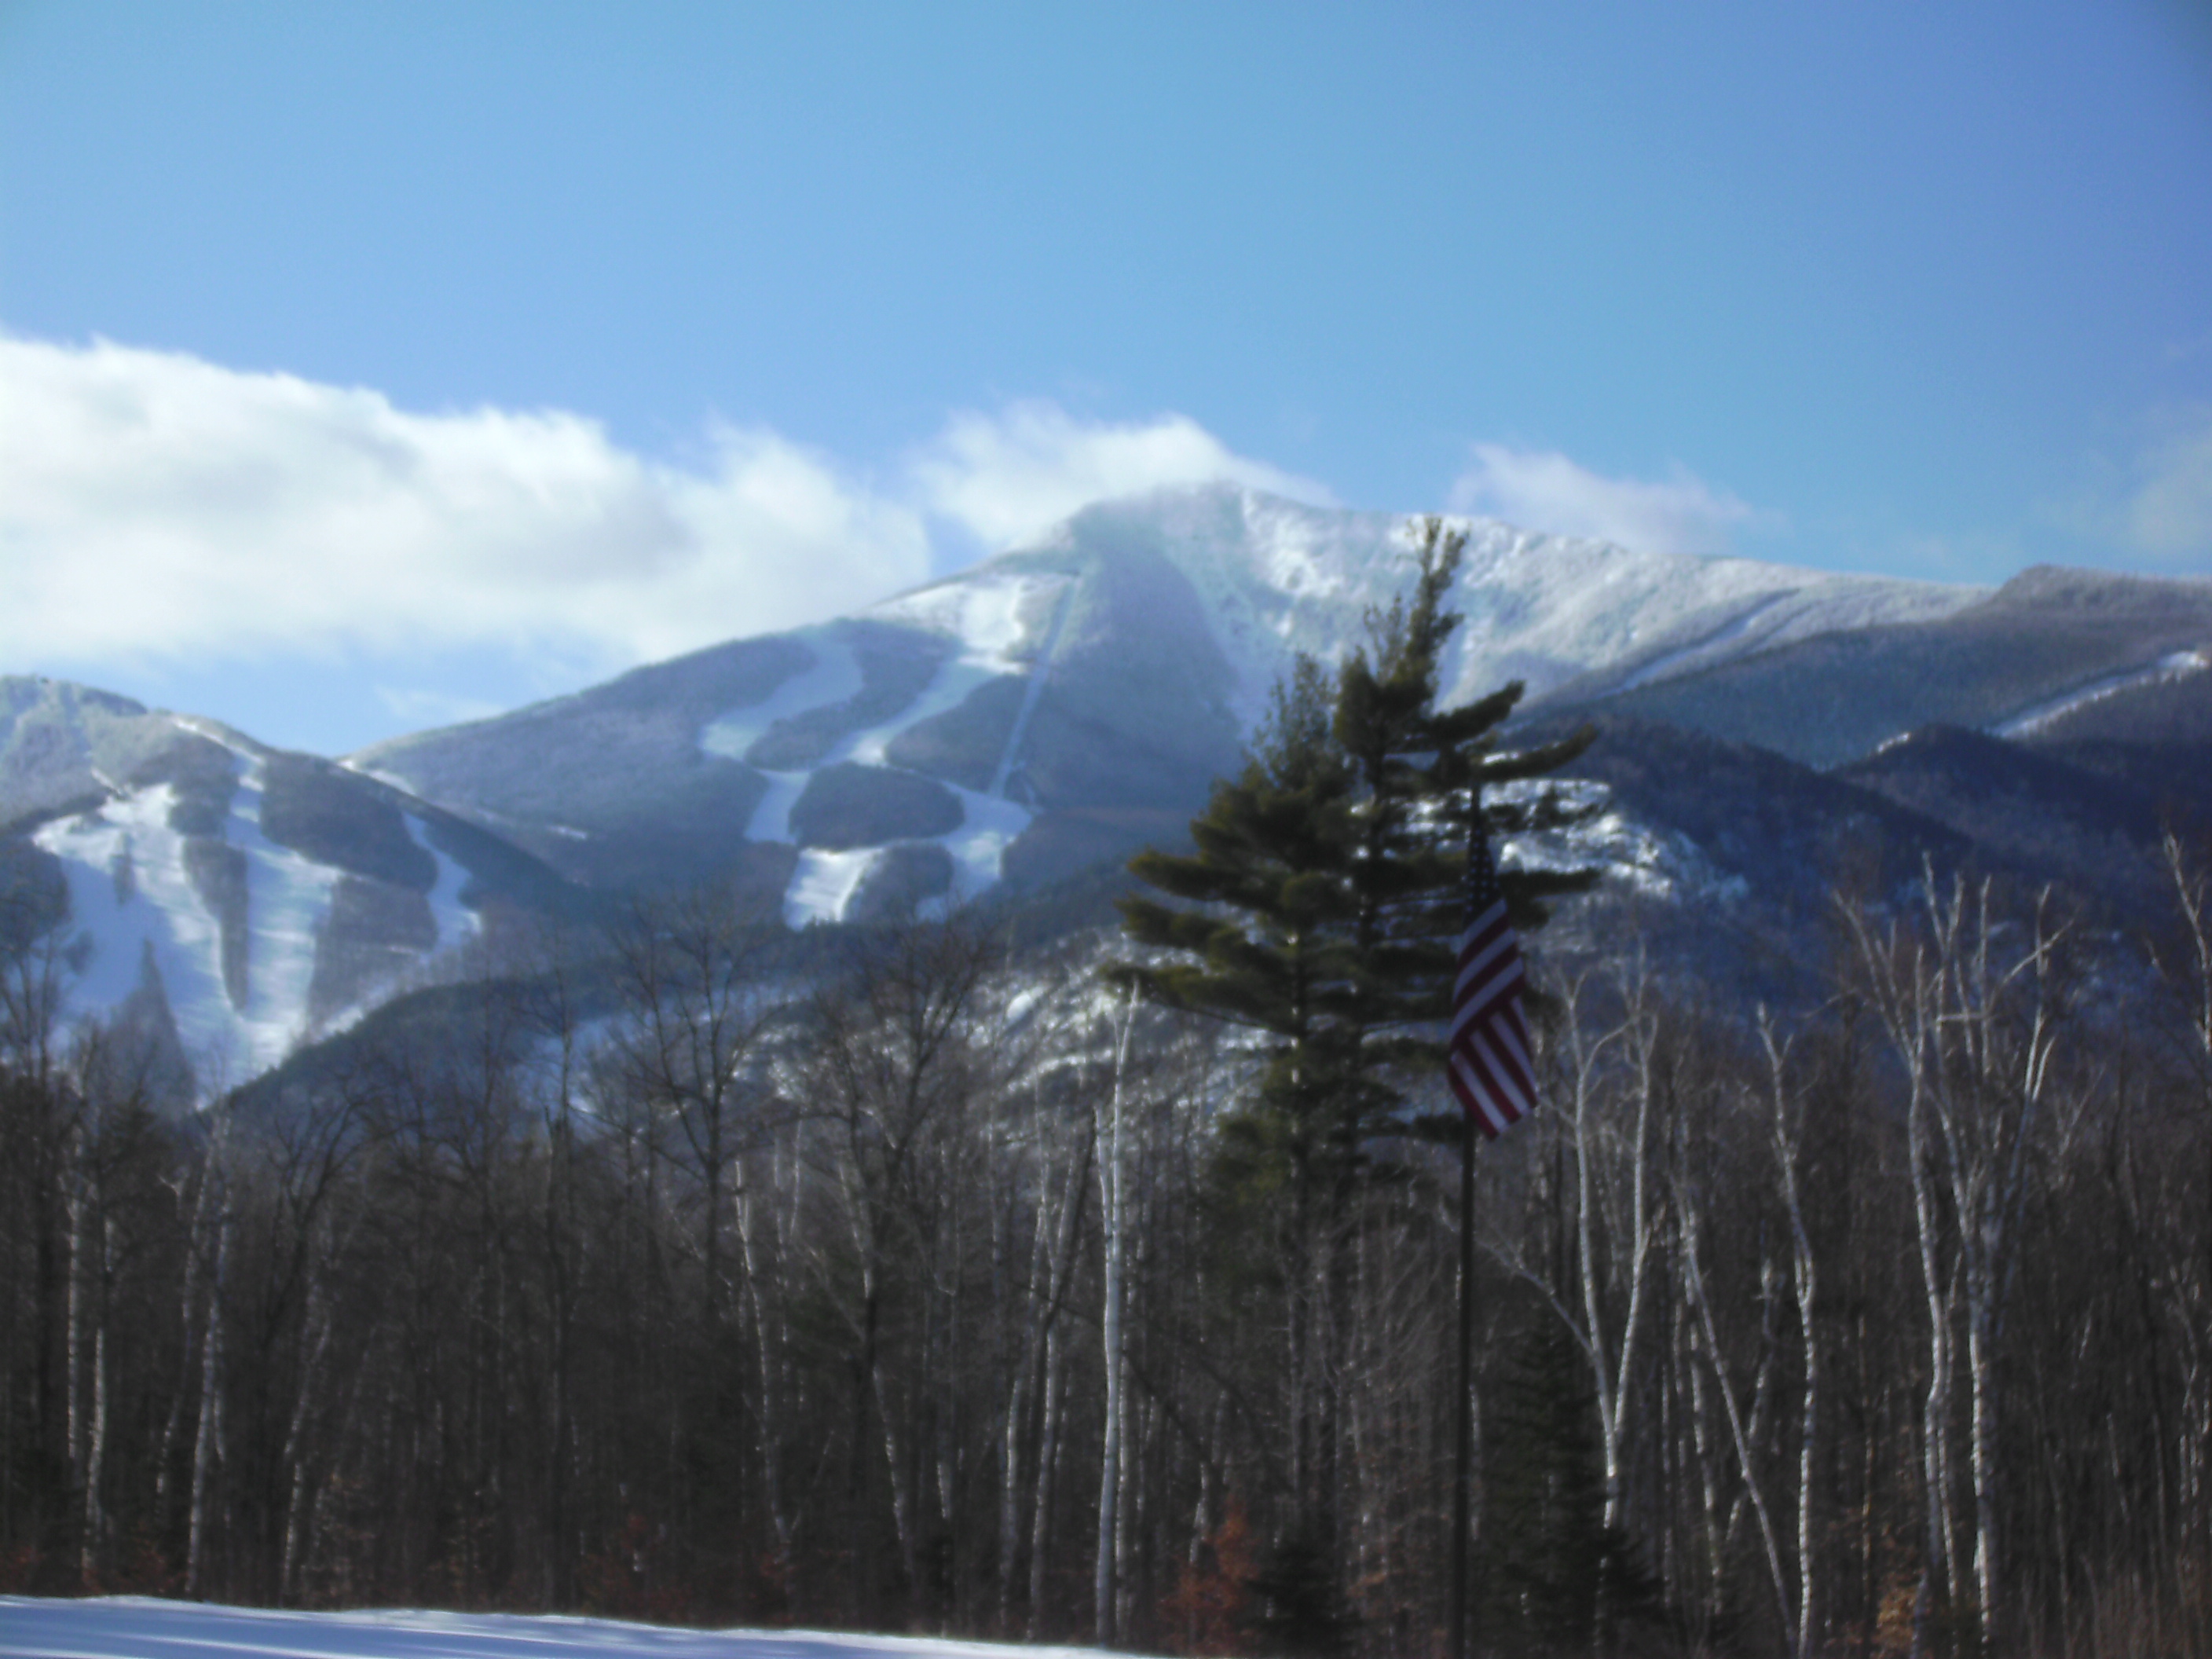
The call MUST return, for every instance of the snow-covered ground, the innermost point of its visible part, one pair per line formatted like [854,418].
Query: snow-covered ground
[141,1627]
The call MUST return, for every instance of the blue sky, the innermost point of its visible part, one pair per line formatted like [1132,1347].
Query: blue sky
[365,367]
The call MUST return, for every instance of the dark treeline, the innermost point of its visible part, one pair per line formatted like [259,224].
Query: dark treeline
[740,1291]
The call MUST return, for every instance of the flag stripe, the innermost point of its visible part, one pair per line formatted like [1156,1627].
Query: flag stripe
[1488,1060]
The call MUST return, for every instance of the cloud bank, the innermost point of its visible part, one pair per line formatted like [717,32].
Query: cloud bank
[1543,489]
[154,507]
[1010,476]
[2167,514]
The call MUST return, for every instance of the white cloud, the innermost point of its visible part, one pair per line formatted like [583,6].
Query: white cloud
[2168,516]
[153,505]
[1545,490]
[158,509]
[1009,476]
[418,705]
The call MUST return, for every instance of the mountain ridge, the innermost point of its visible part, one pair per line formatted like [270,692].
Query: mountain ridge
[1047,711]
[1114,666]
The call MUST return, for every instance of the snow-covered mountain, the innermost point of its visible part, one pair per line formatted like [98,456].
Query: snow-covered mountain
[228,898]
[2051,654]
[1068,700]
[1052,708]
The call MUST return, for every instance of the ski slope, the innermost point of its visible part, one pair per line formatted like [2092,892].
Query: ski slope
[985,620]
[141,1627]
[1270,578]
[1152,625]
[137,914]
[2175,666]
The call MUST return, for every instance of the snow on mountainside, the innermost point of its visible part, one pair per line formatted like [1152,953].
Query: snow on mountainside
[2050,652]
[231,925]
[227,900]
[1050,709]
[2173,666]
[1065,701]
[1276,577]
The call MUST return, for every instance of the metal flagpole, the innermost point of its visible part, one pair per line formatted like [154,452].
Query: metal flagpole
[1464,1452]
[1488,1062]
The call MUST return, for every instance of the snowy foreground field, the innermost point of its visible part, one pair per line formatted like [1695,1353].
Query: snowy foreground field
[141,1627]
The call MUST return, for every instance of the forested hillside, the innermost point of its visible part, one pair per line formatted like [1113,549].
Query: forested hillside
[929,1260]
[746,1284]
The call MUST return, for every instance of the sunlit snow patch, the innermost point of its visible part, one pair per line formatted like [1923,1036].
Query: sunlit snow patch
[834,679]
[378,775]
[129,890]
[455,921]
[991,620]
[1633,857]
[1274,578]
[2175,666]
[984,611]
[131,1626]
[1735,631]
[986,616]
[823,885]
[979,845]
[771,819]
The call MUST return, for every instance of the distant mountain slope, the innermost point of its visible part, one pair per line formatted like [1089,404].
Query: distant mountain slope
[64,747]
[232,899]
[1772,839]
[2028,809]
[1065,702]
[1041,716]
[2045,652]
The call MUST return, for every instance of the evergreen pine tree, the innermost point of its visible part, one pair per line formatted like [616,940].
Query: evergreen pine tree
[1321,903]
[1296,1610]
[1555,1578]
[1320,907]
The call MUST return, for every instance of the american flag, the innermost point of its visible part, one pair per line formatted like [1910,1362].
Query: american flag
[1488,1056]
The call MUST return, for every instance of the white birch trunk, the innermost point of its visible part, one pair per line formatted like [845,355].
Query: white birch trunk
[1044,1360]
[1789,1128]
[1614,1379]
[93,1555]
[902,1488]
[1055,1392]
[765,1303]
[1702,1305]
[295,1447]
[1701,1443]
[1112,1201]
[1017,1408]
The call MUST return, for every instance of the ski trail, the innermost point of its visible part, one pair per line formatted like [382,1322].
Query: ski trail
[2175,666]
[1728,633]
[1038,674]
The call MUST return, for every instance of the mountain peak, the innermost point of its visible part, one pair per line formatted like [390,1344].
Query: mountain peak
[1050,709]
